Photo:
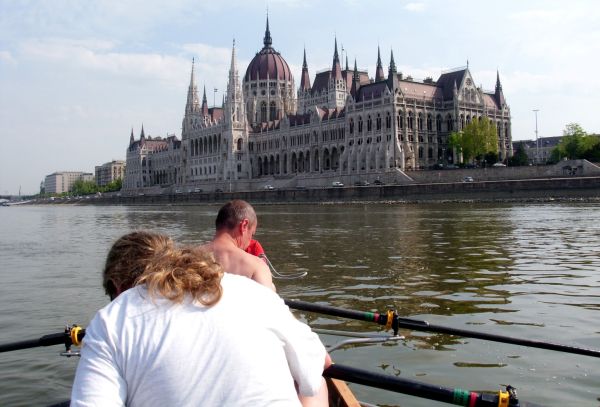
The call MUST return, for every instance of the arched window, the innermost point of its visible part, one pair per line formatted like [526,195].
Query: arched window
[420,121]
[369,123]
[388,121]
[263,112]
[449,125]
[429,123]
[272,111]
[239,144]
[410,120]
[378,122]
[438,123]
[360,124]
[351,126]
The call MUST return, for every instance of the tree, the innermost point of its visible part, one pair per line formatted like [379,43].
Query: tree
[576,144]
[81,187]
[520,156]
[477,139]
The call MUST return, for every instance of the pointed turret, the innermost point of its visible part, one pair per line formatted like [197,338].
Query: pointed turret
[336,70]
[499,95]
[379,75]
[346,62]
[392,73]
[131,139]
[233,104]
[267,41]
[305,80]
[142,134]
[193,103]
[355,81]
[204,108]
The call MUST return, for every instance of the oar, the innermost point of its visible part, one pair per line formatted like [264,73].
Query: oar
[393,321]
[71,336]
[424,390]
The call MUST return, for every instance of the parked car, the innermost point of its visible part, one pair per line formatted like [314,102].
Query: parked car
[362,183]
[269,187]
[218,190]
[378,182]
[178,191]
[498,165]
[468,179]
[197,190]
[337,184]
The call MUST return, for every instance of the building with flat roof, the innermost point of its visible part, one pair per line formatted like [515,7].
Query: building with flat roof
[109,172]
[62,181]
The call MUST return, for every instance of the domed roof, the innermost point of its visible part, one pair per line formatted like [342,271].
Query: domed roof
[268,63]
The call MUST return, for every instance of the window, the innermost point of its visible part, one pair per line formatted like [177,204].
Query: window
[239,144]
[263,112]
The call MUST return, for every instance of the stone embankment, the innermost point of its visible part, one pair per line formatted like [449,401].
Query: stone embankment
[573,188]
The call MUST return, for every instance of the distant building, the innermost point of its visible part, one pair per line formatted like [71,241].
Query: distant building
[109,172]
[59,182]
[151,161]
[345,125]
[540,152]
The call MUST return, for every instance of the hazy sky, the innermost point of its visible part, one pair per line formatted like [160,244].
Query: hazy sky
[76,76]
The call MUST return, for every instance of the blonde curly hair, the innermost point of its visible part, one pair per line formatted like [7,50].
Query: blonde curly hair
[153,259]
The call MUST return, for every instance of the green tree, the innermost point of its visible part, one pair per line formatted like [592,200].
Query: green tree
[477,139]
[576,144]
[519,157]
[81,187]
[113,185]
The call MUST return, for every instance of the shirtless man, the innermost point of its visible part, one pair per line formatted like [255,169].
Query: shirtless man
[235,226]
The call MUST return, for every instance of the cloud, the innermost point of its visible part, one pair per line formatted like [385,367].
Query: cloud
[7,58]
[416,7]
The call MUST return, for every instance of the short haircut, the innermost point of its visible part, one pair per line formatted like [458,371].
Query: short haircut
[232,213]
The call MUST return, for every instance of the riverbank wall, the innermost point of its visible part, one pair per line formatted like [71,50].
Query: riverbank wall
[585,188]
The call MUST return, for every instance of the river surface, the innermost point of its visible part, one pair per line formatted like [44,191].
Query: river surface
[523,270]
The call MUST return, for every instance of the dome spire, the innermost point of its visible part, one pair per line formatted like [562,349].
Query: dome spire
[379,76]
[267,40]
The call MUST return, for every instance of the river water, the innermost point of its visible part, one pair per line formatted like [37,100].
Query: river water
[523,270]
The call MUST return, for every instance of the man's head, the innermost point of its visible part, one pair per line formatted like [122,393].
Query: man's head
[128,258]
[238,219]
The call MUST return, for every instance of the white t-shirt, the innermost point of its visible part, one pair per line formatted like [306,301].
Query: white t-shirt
[248,349]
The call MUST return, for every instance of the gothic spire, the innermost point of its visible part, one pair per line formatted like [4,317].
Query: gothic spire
[392,73]
[305,80]
[379,76]
[204,103]
[233,104]
[355,81]
[346,61]
[499,95]
[336,70]
[193,104]
[131,139]
[267,40]
[142,134]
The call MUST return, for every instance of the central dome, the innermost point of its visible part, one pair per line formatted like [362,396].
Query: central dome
[268,63]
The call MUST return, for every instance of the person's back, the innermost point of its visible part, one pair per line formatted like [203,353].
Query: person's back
[188,334]
[233,353]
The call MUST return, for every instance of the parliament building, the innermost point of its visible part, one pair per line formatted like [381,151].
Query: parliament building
[344,126]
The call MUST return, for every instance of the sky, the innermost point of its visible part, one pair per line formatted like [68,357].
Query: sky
[76,76]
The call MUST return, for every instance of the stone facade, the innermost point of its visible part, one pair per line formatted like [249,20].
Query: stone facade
[109,172]
[343,125]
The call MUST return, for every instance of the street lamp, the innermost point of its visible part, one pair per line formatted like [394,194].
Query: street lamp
[537,143]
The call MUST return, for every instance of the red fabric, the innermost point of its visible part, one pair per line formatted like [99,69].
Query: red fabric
[255,248]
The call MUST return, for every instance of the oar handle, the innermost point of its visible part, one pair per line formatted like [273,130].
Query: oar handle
[420,389]
[387,319]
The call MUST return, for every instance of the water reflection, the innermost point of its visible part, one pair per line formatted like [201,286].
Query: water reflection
[520,270]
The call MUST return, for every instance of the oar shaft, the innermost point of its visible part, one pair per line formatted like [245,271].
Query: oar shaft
[425,326]
[46,340]
[414,388]
[419,325]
